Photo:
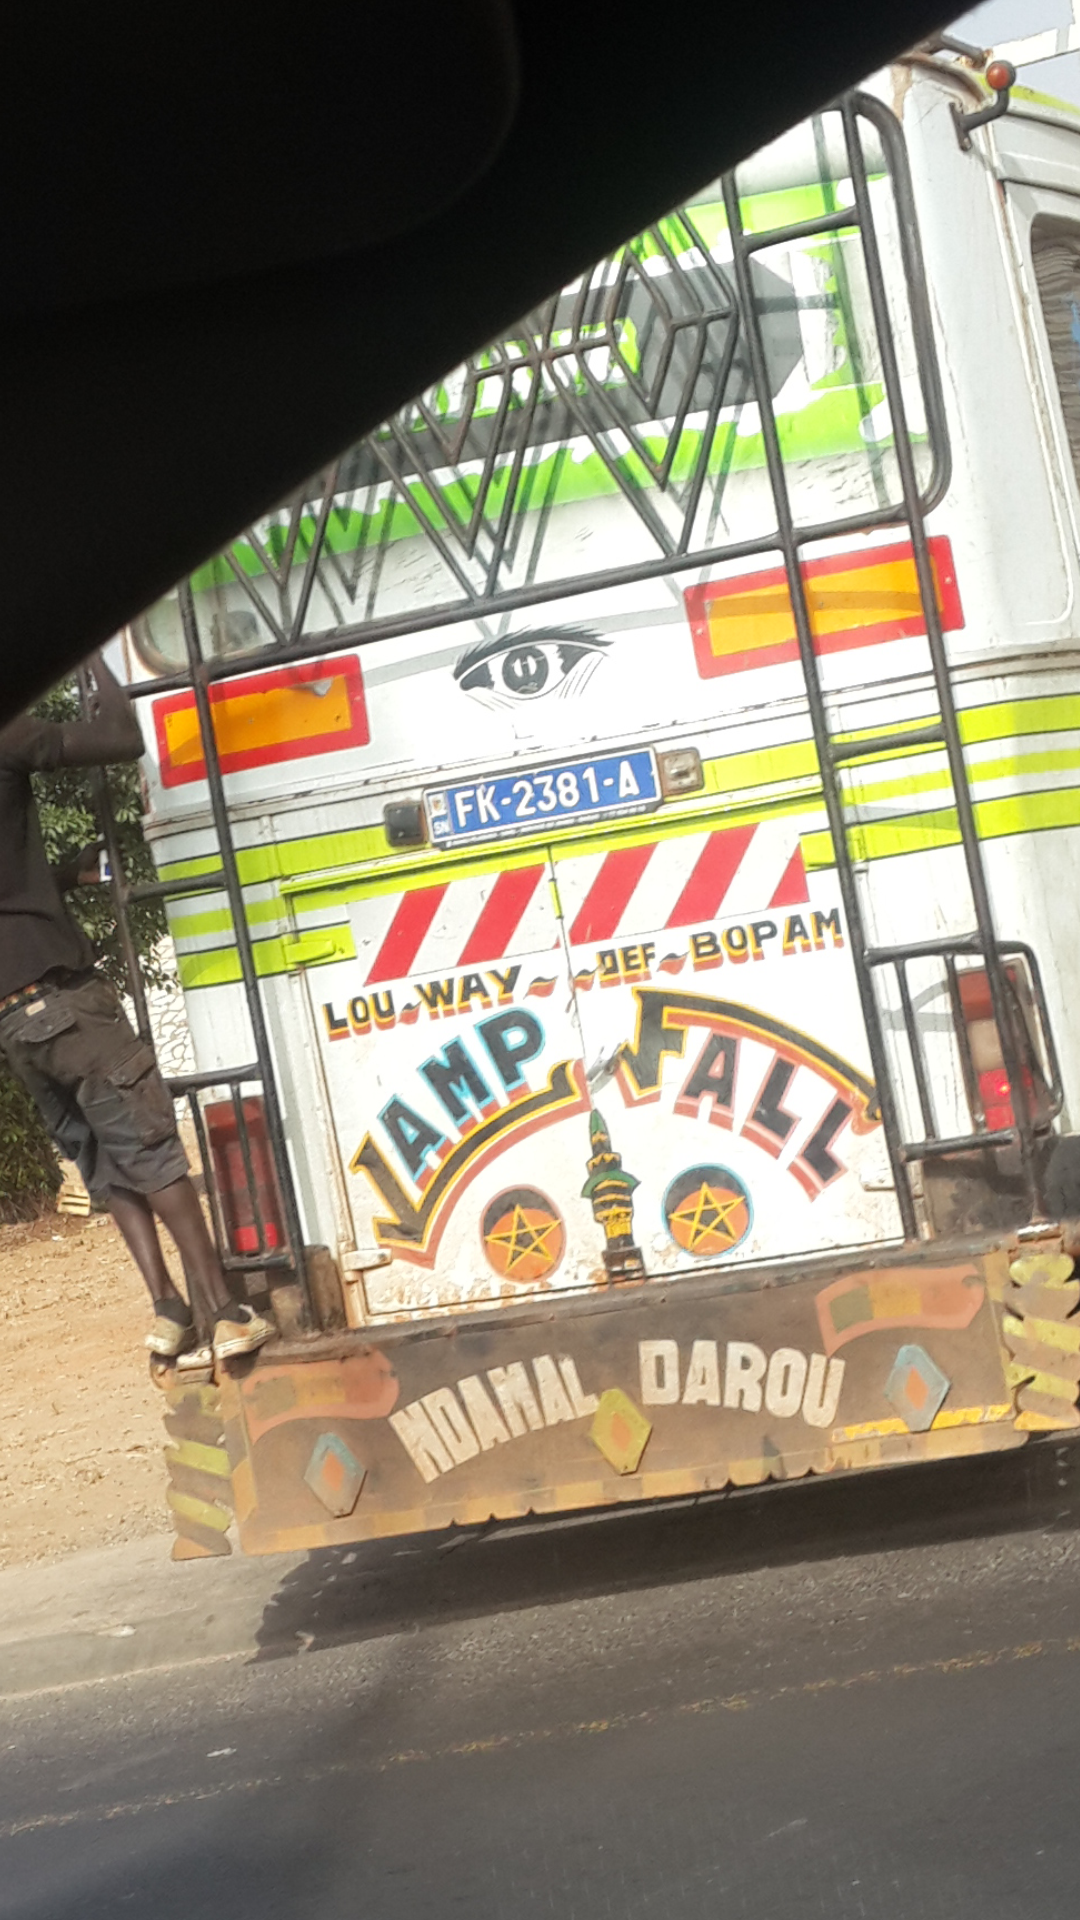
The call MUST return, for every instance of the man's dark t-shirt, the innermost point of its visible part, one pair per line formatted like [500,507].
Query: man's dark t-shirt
[36,930]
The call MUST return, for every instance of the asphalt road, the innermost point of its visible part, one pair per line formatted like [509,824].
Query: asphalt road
[842,1699]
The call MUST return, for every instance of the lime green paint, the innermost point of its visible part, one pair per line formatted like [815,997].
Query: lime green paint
[924,832]
[1028,94]
[220,966]
[828,426]
[284,858]
[876,840]
[324,872]
[1044,713]
[190,926]
[1014,767]
[366,884]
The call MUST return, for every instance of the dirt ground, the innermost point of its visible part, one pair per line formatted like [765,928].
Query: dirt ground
[82,1462]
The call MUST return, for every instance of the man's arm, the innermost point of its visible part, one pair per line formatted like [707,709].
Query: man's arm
[81,869]
[112,732]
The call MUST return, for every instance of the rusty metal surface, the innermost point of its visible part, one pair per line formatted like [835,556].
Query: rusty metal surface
[660,1392]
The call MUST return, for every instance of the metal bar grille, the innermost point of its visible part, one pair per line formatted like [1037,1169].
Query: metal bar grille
[644,367]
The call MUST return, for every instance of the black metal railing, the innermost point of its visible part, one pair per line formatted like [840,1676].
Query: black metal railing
[1034,1107]
[463,472]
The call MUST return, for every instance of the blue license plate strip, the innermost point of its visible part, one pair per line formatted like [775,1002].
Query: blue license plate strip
[509,804]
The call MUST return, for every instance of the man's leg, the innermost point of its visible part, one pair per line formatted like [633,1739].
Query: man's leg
[99,1087]
[178,1206]
[135,1218]
[237,1329]
[173,1331]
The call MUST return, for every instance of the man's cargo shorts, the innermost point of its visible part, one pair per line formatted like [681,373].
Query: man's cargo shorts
[95,1083]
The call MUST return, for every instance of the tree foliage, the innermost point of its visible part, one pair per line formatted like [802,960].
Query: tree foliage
[68,806]
[29,1175]
[70,819]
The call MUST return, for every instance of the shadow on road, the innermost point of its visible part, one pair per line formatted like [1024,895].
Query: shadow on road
[343,1595]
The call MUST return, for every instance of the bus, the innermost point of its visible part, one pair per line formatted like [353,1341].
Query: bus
[620,830]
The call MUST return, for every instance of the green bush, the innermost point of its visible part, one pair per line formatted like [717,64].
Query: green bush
[68,809]
[29,1175]
[67,805]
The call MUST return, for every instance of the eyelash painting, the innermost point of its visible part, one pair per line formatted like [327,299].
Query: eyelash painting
[542,664]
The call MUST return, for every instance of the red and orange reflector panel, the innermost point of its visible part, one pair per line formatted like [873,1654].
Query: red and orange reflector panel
[262,719]
[854,599]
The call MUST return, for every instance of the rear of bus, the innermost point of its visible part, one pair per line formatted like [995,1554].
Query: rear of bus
[573,1004]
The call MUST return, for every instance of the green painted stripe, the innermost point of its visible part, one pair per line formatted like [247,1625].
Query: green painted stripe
[192,1453]
[792,765]
[1041,713]
[354,865]
[878,840]
[389,877]
[220,966]
[201,1511]
[830,424]
[922,833]
[189,926]
[365,884]
[827,427]
[284,858]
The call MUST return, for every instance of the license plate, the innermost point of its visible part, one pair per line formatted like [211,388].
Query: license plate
[513,803]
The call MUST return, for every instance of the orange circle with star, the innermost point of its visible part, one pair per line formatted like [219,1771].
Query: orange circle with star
[523,1234]
[707,1211]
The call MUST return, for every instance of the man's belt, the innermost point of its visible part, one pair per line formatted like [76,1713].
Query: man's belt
[16,999]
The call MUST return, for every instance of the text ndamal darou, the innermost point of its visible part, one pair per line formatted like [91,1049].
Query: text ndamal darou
[454,1424]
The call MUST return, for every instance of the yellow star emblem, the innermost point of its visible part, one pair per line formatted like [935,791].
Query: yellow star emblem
[524,1239]
[705,1218]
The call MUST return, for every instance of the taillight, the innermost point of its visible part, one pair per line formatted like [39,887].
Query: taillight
[245,1203]
[984,1047]
[996,1100]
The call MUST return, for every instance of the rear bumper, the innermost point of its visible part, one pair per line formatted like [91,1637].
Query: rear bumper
[648,1391]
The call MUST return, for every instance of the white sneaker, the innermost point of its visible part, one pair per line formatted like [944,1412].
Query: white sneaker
[168,1338]
[239,1330]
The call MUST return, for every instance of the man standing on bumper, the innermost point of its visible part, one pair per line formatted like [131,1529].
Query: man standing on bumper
[65,1035]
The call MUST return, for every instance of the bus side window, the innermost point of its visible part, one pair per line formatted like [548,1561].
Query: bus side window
[1055,255]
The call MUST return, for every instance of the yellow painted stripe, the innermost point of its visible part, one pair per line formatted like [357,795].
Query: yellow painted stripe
[792,766]
[201,1511]
[1016,767]
[918,833]
[218,966]
[325,872]
[1002,719]
[1051,1384]
[949,1417]
[193,1453]
[1062,1335]
[921,833]
[189,926]
[367,882]
[284,858]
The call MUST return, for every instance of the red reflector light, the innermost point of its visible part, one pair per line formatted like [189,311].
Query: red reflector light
[262,719]
[974,986]
[245,1204]
[996,1099]
[991,1081]
[855,599]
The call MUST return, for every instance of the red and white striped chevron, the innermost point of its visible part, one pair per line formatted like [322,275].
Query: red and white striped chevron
[681,882]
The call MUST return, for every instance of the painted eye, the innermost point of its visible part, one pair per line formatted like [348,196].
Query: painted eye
[530,666]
